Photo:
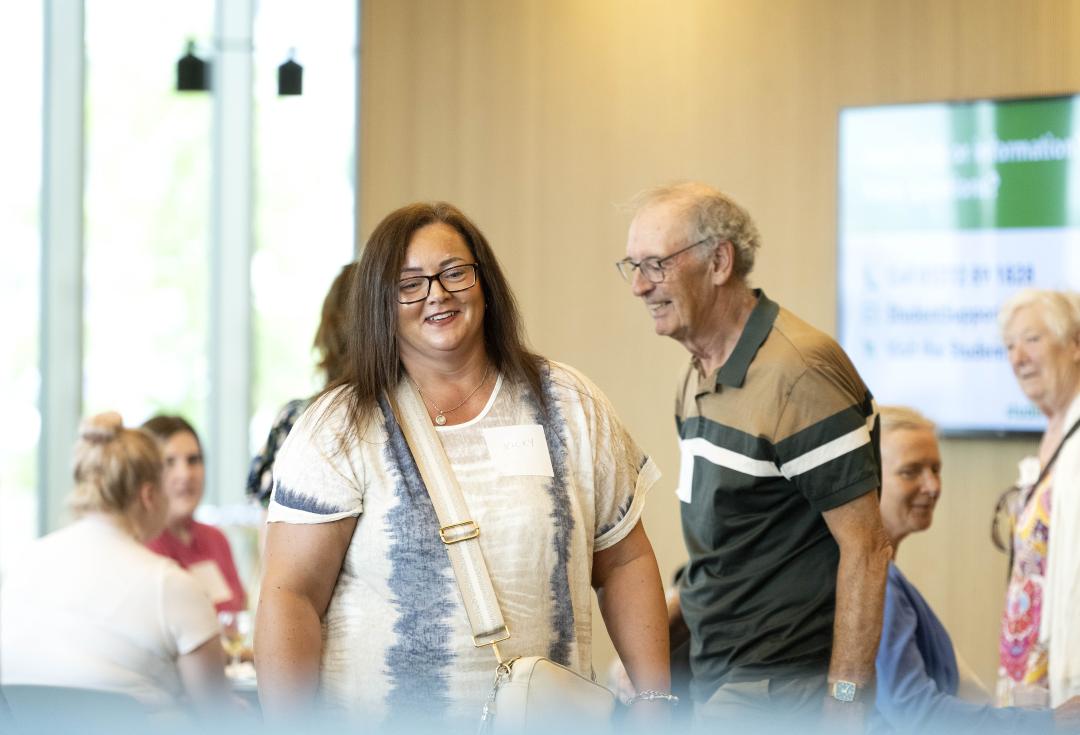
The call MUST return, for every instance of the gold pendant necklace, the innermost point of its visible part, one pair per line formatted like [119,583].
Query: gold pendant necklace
[440,418]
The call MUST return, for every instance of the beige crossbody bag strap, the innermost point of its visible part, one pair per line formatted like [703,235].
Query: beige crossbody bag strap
[459,533]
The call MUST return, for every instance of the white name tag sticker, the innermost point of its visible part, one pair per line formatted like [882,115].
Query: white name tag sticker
[212,581]
[519,450]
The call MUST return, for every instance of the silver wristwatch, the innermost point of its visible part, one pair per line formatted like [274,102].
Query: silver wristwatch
[846,691]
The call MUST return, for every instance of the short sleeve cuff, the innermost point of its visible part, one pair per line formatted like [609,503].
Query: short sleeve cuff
[648,476]
[189,613]
[295,508]
[846,494]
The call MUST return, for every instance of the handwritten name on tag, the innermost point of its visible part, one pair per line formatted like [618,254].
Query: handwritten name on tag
[519,450]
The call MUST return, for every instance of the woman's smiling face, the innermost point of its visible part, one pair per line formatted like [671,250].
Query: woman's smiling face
[1046,369]
[444,322]
[910,480]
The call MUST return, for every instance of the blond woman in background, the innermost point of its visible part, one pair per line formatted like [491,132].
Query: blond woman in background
[922,684]
[89,607]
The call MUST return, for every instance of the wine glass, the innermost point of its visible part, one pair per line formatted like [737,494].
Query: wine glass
[235,632]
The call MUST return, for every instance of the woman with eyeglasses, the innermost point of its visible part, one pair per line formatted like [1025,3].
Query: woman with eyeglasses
[360,611]
[1040,632]
[922,685]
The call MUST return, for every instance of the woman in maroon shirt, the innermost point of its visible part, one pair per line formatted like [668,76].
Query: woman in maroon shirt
[201,549]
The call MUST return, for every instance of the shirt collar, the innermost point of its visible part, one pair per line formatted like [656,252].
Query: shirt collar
[733,372]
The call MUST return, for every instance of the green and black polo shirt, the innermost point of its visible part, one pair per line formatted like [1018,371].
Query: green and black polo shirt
[782,432]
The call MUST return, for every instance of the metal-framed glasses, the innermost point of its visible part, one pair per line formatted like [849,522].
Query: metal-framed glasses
[455,278]
[653,268]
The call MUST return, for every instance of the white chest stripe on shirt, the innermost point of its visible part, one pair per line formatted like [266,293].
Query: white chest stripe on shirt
[826,452]
[690,449]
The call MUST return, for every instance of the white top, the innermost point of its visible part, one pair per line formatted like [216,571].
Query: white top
[90,607]
[1059,628]
[396,634]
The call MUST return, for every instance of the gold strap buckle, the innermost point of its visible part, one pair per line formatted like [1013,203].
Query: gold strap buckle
[494,640]
[469,531]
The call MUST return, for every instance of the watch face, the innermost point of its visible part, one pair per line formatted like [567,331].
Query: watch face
[844,691]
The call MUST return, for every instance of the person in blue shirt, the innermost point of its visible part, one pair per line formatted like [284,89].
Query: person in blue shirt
[917,673]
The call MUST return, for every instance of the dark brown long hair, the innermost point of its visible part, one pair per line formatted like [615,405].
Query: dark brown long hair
[372,365]
[331,338]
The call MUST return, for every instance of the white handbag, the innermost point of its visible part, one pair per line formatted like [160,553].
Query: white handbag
[530,694]
[533,694]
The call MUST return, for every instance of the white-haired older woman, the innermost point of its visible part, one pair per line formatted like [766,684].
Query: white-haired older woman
[1040,634]
[920,683]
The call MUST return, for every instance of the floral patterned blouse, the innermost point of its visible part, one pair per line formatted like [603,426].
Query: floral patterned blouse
[1022,671]
[260,474]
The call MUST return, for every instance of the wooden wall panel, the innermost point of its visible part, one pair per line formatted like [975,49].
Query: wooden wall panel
[539,117]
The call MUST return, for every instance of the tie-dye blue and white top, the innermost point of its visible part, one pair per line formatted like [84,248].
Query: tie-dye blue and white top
[396,640]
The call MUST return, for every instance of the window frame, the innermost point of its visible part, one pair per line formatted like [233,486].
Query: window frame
[231,366]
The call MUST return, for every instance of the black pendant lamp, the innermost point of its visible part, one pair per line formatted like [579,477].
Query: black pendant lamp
[192,73]
[290,77]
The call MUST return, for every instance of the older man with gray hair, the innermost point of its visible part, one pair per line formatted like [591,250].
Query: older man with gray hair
[782,597]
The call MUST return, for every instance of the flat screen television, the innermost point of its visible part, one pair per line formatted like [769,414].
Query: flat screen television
[945,210]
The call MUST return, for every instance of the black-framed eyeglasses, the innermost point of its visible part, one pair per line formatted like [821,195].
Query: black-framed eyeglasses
[455,278]
[653,268]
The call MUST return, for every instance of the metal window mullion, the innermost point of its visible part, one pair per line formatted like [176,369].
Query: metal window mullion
[230,253]
[61,255]
[357,149]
